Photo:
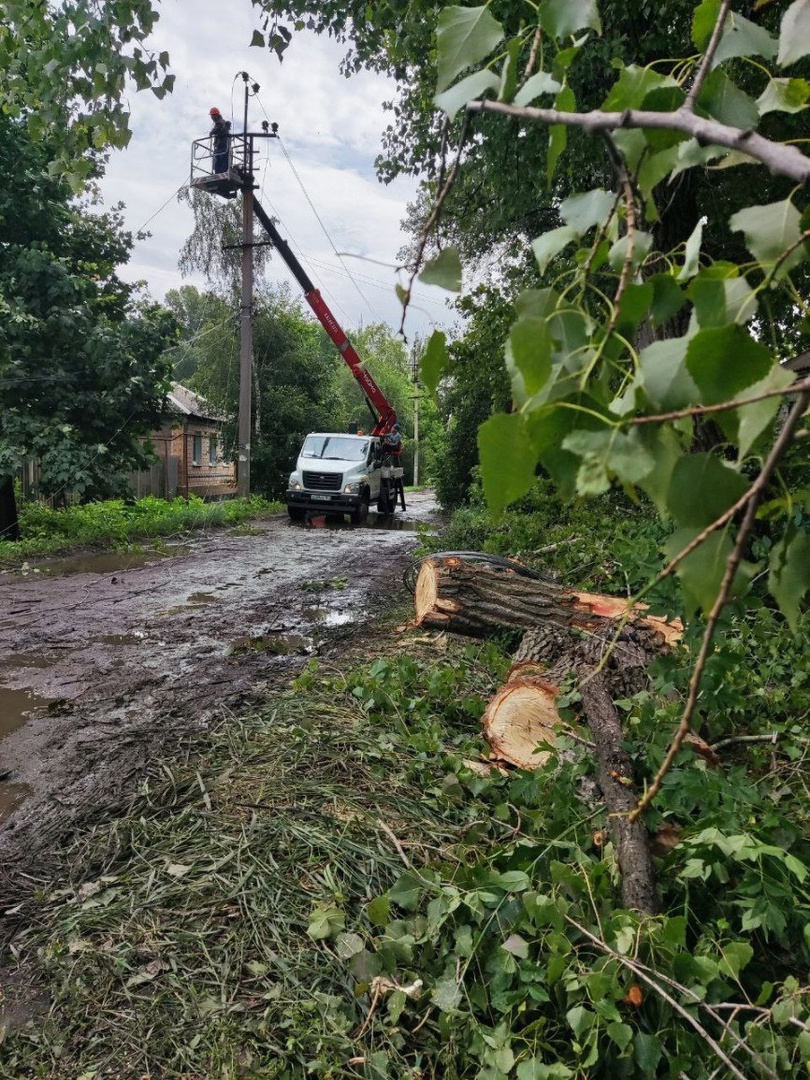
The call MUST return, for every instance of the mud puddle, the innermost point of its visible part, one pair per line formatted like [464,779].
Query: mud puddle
[109,562]
[16,707]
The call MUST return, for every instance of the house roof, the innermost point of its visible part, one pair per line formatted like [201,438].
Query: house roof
[185,401]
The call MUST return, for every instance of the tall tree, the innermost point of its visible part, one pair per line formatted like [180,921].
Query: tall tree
[82,378]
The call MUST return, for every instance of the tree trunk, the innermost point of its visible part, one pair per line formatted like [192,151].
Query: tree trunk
[477,599]
[9,522]
[600,639]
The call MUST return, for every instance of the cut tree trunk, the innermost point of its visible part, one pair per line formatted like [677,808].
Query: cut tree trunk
[476,599]
[520,717]
[604,641]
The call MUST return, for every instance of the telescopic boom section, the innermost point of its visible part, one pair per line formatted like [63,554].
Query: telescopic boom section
[384,415]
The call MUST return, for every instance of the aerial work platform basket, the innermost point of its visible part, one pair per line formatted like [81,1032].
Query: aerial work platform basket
[221,172]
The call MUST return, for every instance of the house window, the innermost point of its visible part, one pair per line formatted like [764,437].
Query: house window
[212,450]
[197,450]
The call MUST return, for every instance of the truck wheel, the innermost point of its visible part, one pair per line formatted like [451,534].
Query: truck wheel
[297,513]
[358,516]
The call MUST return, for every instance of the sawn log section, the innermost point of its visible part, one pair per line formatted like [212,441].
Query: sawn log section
[476,599]
[604,641]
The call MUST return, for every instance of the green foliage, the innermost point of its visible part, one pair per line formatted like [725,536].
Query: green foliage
[66,67]
[82,376]
[582,385]
[116,523]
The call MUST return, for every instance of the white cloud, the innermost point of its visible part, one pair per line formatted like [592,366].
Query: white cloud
[330,126]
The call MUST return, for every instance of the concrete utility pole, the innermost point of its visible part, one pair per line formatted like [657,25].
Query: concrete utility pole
[246,315]
[415,354]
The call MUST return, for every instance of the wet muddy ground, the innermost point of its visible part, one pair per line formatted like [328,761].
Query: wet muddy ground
[108,661]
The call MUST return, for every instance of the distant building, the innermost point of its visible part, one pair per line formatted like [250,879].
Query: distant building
[190,451]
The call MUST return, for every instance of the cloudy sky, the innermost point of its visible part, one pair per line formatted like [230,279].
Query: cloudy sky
[330,127]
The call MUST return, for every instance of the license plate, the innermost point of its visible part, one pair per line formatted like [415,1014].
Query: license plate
[323,498]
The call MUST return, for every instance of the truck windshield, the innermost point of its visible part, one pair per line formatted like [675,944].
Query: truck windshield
[334,448]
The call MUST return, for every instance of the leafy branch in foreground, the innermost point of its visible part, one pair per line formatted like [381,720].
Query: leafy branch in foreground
[617,357]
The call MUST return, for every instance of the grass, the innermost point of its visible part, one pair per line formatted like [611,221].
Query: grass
[118,524]
[211,931]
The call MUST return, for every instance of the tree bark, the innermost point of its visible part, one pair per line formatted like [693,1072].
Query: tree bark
[618,790]
[476,599]
[600,639]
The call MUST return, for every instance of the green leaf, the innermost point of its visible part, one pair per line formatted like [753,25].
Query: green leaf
[548,428]
[608,454]
[634,307]
[510,71]
[562,17]
[754,419]
[735,956]
[444,270]
[434,361]
[348,945]
[769,231]
[517,946]
[668,298]
[537,302]
[691,259]
[406,891]
[662,443]
[642,243]
[721,99]
[535,1069]
[326,922]
[507,461]
[587,209]
[722,300]
[379,910]
[581,1020]
[472,87]
[724,360]
[257,39]
[784,95]
[464,37]
[653,169]
[621,1034]
[446,995]
[789,575]
[704,21]
[692,153]
[744,38]
[540,83]
[528,356]
[666,381]
[794,33]
[647,1050]
[633,86]
[702,488]
[550,244]
[558,133]
[701,573]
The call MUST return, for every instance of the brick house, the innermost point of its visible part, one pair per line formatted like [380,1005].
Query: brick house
[191,455]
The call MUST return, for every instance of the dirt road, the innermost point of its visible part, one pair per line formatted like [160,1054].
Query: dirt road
[111,661]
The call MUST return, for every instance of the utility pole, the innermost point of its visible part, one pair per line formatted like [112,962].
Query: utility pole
[415,354]
[246,313]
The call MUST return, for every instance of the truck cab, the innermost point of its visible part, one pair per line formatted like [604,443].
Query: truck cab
[343,474]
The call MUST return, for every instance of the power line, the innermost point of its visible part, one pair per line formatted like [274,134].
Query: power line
[325,230]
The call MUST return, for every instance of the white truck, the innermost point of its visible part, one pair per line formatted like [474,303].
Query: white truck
[344,474]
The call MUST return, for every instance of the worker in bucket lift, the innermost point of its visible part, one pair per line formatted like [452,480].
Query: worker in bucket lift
[392,441]
[221,134]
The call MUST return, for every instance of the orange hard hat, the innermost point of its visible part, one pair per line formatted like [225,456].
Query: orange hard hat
[214,111]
